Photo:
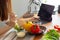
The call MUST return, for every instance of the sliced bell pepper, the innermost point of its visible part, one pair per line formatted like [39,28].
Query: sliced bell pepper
[57,27]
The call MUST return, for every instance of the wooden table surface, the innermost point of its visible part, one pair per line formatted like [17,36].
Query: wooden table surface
[12,35]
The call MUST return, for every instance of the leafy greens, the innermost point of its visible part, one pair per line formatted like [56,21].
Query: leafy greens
[51,35]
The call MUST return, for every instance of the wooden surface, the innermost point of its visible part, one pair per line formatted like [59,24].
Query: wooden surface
[7,25]
[55,20]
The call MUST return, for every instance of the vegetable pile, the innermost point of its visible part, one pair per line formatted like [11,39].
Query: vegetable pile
[51,35]
[32,28]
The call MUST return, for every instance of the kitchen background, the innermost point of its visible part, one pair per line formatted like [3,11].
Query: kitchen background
[21,6]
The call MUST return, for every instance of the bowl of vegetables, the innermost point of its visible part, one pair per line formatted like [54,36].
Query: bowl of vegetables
[36,29]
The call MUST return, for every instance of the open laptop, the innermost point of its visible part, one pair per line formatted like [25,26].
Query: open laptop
[45,12]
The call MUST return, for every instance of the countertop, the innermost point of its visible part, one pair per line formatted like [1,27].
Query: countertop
[49,25]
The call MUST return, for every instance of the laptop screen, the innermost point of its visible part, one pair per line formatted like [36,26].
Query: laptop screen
[46,9]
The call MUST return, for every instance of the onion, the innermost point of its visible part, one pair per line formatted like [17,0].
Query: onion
[21,34]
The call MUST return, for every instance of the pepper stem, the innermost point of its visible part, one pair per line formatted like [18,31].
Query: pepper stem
[34,26]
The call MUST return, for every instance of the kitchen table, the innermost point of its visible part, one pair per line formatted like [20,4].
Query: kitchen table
[11,34]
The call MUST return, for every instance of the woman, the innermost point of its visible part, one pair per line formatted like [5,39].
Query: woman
[5,14]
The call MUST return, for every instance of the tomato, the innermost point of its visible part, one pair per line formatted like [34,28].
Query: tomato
[57,27]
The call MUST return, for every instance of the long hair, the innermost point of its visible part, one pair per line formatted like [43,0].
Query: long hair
[4,6]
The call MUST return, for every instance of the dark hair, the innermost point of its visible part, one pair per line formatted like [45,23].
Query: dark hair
[4,9]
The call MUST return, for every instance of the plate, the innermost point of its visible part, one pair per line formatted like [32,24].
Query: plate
[43,28]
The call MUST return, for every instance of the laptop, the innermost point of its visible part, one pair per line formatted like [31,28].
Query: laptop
[45,12]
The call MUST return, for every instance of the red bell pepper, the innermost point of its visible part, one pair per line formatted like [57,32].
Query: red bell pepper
[35,29]
[57,27]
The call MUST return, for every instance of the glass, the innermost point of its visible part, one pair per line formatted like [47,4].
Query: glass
[33,6]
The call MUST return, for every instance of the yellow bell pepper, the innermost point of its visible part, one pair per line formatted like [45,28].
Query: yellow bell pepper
[27,26]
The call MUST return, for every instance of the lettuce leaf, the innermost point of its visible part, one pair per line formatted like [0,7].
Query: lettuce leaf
[51,35]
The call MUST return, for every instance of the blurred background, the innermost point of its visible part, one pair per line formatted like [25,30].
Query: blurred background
[21,6]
